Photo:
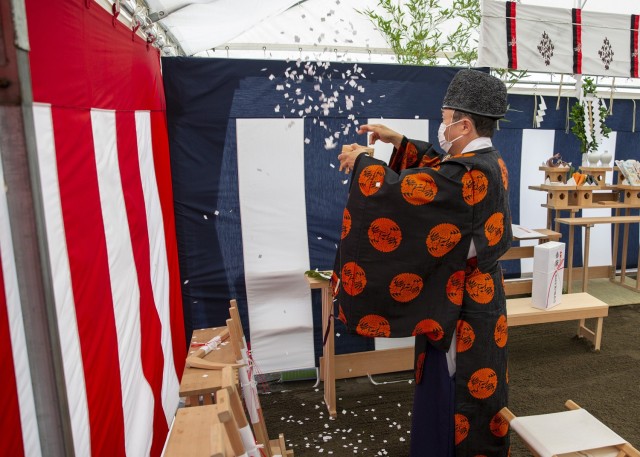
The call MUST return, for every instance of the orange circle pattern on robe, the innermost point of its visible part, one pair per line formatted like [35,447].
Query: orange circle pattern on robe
[480,287]
[474,186]
[420,366]
[499,426]
[483,383]
[410,155]
[371,179]
[353,278]
[346,223]
[373,326]
[461,428]
[405,287]
[429,327]
[443,238]
[494,228]
[500,333]
[465,336]
[418,188]
[384,234]
[455,288]
[505,173]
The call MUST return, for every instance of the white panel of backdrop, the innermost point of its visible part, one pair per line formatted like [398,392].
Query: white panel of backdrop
[600,245]
[274,240]
[536,145]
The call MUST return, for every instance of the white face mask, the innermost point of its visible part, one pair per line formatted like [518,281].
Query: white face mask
[444,143]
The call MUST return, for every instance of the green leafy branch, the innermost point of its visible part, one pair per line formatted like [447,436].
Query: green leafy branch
[413,30]
[586,134]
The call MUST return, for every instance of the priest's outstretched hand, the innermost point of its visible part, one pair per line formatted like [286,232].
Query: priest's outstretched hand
[382,133]
[348,156]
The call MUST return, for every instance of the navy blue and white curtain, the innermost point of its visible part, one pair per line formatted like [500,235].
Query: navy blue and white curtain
[259,198]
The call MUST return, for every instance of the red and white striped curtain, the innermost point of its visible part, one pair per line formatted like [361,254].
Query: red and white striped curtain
[102,148]
[556,40]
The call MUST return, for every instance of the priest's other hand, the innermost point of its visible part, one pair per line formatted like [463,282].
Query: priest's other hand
[382,133]
[348,156]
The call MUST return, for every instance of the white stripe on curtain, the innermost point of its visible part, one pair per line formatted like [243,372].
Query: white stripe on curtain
[159,266]
[137,397]
[537,147]
[416,129]
[275,245]
[600,246]
[28,418]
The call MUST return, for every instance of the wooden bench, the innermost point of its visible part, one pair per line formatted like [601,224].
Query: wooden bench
[579,306]
[199,385]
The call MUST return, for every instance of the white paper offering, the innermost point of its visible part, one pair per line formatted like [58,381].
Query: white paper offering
[523,233]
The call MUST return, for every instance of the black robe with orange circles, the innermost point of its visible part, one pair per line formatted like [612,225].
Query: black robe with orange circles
[402,269]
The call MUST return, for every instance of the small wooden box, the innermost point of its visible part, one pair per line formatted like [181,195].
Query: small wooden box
[581,196]
[631,194]
[558,197]
[555,174]
[599,174]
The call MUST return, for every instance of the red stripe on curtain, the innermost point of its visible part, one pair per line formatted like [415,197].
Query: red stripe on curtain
[512,44]
[162,164]
[577,40]
[88,263]
[150,326]
[10,424]
[635,24]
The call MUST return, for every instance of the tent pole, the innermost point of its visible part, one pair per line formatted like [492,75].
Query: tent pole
[26,218]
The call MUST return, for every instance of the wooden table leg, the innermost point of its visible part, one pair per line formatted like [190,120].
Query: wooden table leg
[614,255]
[570,260]
[585,258]
[328,352]
[598,333]
[625,246]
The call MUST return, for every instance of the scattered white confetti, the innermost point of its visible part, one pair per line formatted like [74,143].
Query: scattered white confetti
[205,217]
[216,212]
[271,77]
[186,282]
[277,109]
[329,143]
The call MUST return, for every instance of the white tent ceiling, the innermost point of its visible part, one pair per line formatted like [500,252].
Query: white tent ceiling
[200,25]
[318,30]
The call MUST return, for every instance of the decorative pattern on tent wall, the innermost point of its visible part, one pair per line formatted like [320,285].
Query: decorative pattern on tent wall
[103,162]
[558,40]
[259,198]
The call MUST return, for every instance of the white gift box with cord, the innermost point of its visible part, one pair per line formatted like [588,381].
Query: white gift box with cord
[548,269]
